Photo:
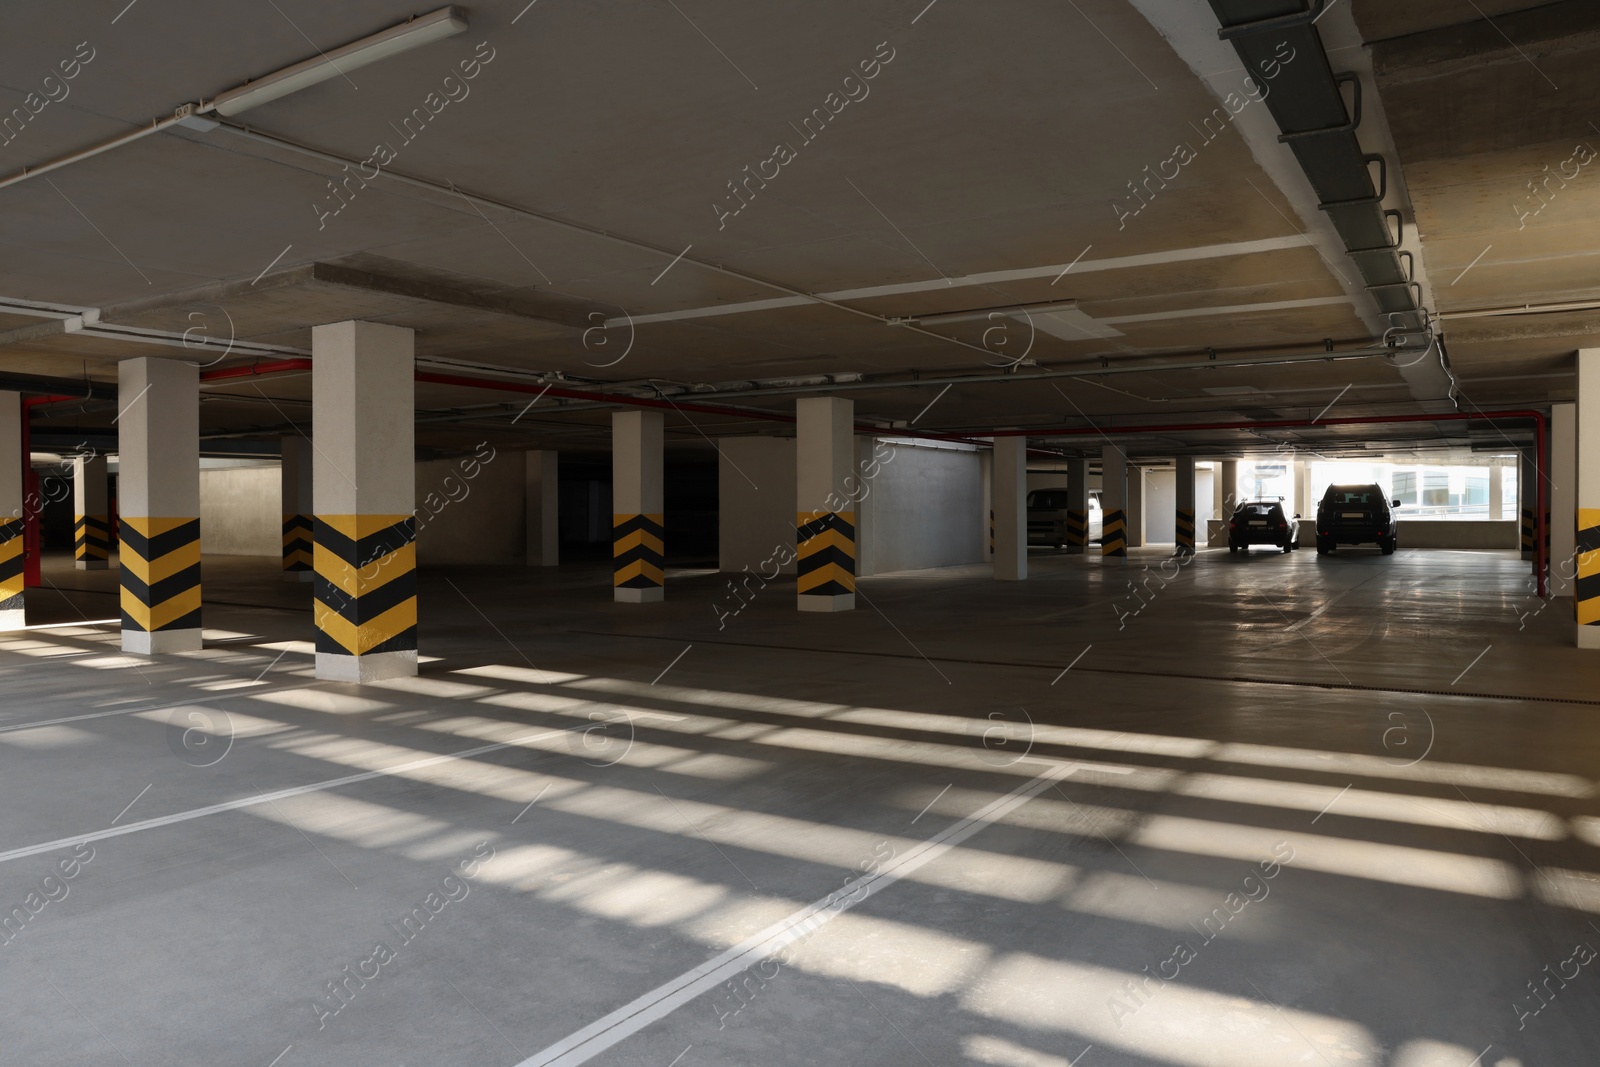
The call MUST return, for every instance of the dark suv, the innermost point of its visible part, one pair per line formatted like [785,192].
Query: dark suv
[1356,515]
[1262,522]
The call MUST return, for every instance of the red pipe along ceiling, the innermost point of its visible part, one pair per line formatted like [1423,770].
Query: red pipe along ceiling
[284,366]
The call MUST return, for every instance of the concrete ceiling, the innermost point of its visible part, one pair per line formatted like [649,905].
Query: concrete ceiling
[981,170]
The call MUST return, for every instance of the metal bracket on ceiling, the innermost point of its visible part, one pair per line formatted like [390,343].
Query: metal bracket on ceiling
[1399,234]
[1415,289]
[1344,127]
[1313,9]
[1383,185]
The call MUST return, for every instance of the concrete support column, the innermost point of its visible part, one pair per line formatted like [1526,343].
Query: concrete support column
[1135,506]
[158,444]
[1302,505]
[1077,505]
[1496,492]
[298,507]
[543,503]
[1185,505]
[1564,491]
[638,514]
[364,476]
[1010,508]
[1113,502]
[825,518]
[91,510]
[12,489]
[1586,568]
[1229,488]
[1527,496]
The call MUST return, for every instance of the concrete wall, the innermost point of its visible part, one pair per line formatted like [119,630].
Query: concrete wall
[1424,533]
[461,519]
[472,511]
[1160,506]
[921,506]
[1057,480]
[1414,533]
[756,502]
[240,512]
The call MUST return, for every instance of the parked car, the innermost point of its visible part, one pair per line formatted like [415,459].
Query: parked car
[1047,517]
[1263,522]
[1356,515]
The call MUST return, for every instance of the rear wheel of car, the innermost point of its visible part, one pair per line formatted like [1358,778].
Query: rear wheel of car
[1323,547]
[1388,546]
[1288,546]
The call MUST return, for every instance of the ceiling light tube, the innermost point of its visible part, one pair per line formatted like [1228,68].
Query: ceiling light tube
[984,313]
[425,29]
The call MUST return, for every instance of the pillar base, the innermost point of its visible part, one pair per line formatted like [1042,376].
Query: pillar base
[640,596]
[13,619]
[299,576]
[1588,636]
[375,667]
[838,602]
[144,643]
[91,564]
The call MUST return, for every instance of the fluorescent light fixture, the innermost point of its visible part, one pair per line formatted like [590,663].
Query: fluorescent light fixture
[425,29]
[983,313]
[1060,318]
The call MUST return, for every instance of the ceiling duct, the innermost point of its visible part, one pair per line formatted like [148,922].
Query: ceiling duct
[1307,102]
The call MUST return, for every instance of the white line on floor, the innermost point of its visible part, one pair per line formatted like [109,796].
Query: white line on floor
[200,699]
[666,998]
[71,625]
[266,798]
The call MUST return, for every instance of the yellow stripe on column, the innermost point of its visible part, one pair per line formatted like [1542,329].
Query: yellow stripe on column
[1586,590]
[366,584]
[12,578]
[160,575]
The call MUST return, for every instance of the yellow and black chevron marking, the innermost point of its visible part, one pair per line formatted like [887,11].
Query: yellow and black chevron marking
[638,551]
[91,538]
[11,575]
[826,552]
[1114,533]
[1527,531]
[1077,529]
[366,583]
[1586,596]
[1185,530]
[160,574]
[297,543]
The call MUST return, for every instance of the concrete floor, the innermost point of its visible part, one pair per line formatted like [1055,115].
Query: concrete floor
[1346,805]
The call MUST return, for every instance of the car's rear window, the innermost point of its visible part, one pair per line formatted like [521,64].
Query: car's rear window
[1258,510]
[1359,497]
[1049,499]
